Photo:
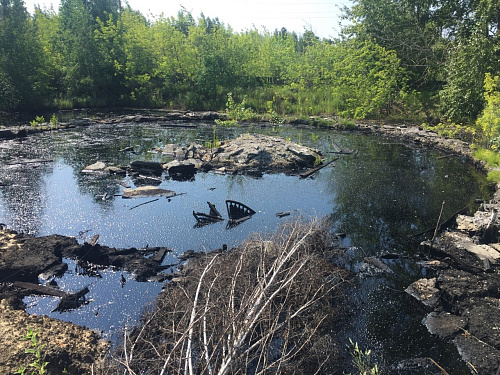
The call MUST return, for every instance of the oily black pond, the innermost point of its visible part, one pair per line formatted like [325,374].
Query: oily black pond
[379,196]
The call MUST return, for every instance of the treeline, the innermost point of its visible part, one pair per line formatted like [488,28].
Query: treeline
[408,58]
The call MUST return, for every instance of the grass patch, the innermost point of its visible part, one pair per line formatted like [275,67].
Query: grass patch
[491,157]
[494,176]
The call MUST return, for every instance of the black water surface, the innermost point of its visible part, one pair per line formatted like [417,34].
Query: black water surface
[379,196]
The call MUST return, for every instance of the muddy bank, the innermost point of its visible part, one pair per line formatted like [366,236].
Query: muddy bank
[179,118]
[66,347]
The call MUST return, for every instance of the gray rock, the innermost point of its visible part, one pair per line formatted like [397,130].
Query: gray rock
[444,324]
[425,291]
[95,168]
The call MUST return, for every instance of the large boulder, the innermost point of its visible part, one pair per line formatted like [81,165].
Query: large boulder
[262,153]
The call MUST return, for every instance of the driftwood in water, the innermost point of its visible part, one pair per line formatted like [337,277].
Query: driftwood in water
[30,161]
[338,150]
[40,289]
[160,254]
[283,214]
[142,204]
[72,301]
[144,177]
[314,170]
[121,183]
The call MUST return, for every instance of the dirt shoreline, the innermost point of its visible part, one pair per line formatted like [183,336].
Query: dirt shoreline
[465,294]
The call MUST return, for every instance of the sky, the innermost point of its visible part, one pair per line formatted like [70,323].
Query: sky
[320,16]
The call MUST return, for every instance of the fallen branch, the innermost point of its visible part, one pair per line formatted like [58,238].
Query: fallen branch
[314,170]
[142,204]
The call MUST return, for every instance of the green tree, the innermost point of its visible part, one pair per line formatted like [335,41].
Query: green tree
[412,28]
[489,122]
[82,61]
[140,66]
[461,98]
[22,68]
[110,41]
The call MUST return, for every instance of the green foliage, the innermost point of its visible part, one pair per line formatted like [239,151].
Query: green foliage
[22,59]
[235,112]
[493,176]
[346,123]
[491,157]
[362,360]
[489,122]
[318,160]
[37,365]
[461,98]
[53,121]
[274,117]
[449,129]
[39,120]
[394,60]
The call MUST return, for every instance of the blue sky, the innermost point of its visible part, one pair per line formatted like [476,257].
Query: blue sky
[320,16]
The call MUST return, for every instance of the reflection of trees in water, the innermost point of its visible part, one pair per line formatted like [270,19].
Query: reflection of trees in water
[383,195]
[387,192]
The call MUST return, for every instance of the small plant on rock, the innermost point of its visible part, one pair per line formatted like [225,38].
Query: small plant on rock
[39,120]
[53,121]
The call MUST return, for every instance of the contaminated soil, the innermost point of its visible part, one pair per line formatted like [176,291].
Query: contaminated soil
[463,298]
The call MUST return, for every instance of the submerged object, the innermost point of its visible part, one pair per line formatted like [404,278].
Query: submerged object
[238,213]
[212,217]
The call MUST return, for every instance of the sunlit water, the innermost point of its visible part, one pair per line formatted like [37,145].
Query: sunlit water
[379,196]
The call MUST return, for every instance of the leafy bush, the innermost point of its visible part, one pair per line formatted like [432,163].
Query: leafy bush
[39,120]
[489,122]
[53,121]
[451,130]
[235,112]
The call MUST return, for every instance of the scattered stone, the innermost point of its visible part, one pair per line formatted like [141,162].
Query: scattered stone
[184,168]
[444,324]
[425,291]
[97,167]
[114,170]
